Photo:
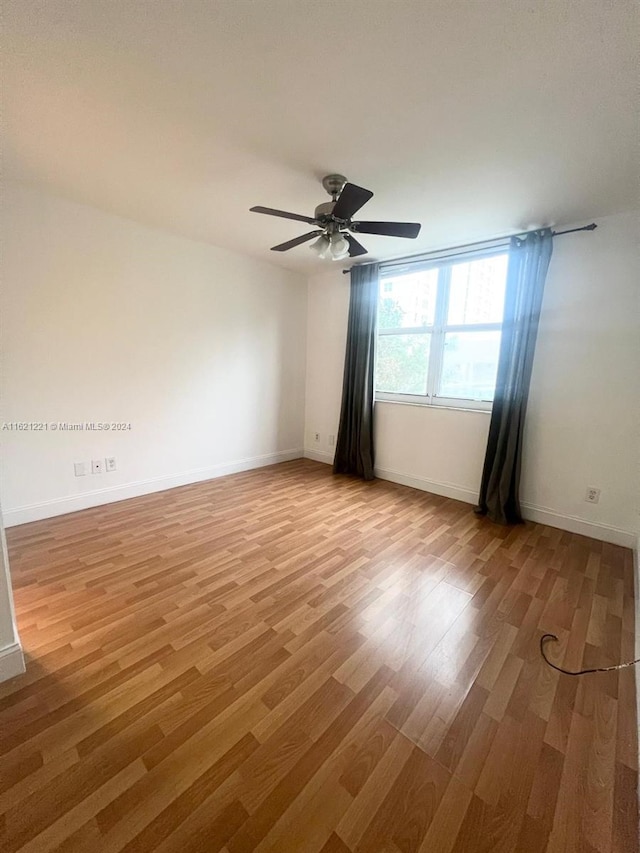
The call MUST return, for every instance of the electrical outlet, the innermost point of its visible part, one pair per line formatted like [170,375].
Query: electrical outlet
[79,469]
[332,440]
[592,495]
[316,437]
[97,466]
[110,463]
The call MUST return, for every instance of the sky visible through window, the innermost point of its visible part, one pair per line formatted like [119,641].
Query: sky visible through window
[476,293]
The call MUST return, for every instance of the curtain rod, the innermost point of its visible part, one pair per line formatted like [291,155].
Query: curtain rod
[452,250]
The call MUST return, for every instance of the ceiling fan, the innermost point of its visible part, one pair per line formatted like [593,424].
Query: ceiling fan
[333,221]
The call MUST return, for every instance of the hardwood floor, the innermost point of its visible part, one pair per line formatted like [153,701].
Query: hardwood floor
[288,662]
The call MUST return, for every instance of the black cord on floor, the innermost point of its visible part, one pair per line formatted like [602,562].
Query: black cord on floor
[580,671]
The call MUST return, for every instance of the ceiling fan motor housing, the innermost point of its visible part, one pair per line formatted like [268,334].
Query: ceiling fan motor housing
[324,210]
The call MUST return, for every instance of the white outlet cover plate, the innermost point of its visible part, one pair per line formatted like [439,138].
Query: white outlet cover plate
[79,469]
[96,466]
[110,463]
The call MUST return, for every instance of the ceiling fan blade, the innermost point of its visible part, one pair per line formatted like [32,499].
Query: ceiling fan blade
[350,201]
[283,213]
[355,248]
[283,247]
[388,229]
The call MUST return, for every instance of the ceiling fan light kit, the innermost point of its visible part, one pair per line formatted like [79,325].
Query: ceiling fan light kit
[333,221]
[321,246]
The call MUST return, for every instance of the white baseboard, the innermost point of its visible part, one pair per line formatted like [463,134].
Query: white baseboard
[73,503]
[11,661]
[445,490]
[573,524]
[319,456]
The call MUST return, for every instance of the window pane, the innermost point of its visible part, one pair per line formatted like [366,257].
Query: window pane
[402,363]
[408,300]
[469,365]
[477,291]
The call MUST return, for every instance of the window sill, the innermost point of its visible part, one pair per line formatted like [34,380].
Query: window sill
[448,408]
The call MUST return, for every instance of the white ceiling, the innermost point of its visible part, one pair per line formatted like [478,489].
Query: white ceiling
[474,117]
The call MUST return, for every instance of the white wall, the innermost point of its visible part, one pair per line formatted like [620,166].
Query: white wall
[11,657]
[583,423]
[583,426]
[103,319]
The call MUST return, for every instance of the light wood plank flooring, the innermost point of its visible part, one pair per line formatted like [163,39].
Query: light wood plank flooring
[288,662]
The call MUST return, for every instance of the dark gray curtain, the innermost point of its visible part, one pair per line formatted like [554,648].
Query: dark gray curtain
[528,263]
[354,446]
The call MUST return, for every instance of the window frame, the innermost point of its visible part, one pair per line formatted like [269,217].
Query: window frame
[437,331]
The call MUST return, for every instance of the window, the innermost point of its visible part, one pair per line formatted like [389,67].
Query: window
[439,328]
